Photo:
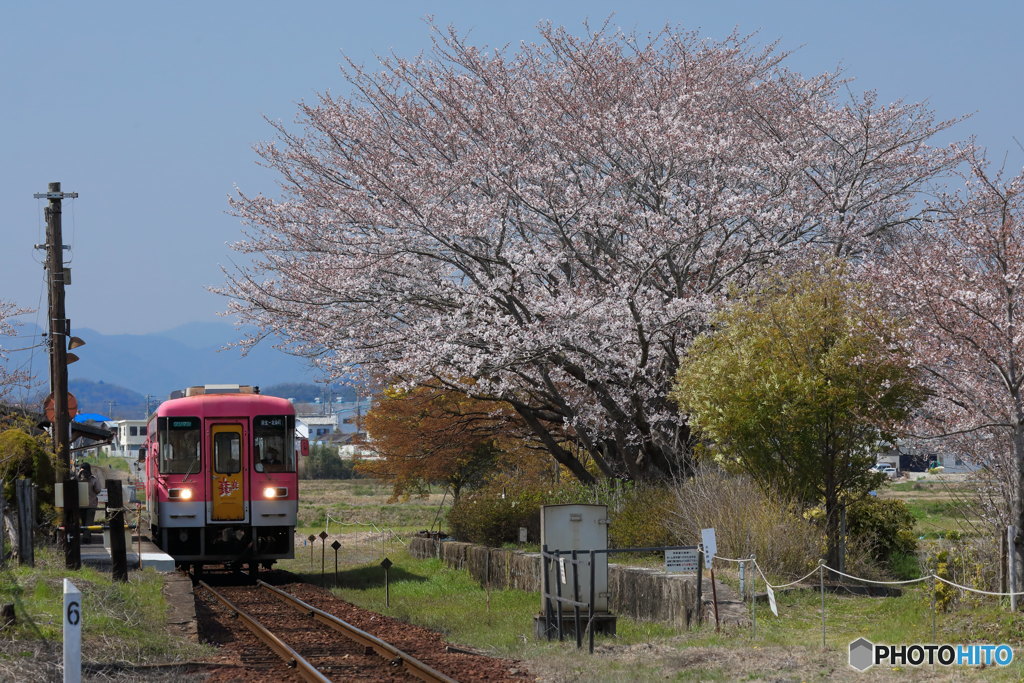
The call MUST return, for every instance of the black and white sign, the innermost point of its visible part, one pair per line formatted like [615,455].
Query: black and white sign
[681,561]
[710,546]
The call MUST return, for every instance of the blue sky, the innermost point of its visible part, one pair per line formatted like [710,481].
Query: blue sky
[149,110]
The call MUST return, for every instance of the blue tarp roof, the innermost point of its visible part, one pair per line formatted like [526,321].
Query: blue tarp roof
[93,417]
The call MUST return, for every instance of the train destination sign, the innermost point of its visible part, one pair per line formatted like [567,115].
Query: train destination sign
[681,561]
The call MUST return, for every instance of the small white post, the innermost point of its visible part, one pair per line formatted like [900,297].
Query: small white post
[72,633]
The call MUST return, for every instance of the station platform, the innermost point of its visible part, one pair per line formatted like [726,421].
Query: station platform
[97,554]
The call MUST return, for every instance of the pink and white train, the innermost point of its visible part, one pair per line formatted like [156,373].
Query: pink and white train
[222,482]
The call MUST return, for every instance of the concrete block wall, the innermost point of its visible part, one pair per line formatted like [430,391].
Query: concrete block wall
[644,594]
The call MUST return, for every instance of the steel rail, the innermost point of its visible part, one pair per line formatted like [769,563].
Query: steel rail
[280,648]
[384,649]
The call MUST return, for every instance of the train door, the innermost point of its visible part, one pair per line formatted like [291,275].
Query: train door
[227,485]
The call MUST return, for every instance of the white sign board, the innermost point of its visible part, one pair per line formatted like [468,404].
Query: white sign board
[522,534]
[561,568]
[681,561]
[710,546]
[771,601]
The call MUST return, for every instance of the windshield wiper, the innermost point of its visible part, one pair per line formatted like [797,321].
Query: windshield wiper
[189,472]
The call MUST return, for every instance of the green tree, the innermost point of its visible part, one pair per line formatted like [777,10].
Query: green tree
[798,385]
[25,456]
[324,463]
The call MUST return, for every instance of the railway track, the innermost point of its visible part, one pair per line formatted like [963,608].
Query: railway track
[312,644]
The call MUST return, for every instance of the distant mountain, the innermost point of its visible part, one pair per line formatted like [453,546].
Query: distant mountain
[204,335]
[119,403]
[109,400]
[159,363]
[311,393]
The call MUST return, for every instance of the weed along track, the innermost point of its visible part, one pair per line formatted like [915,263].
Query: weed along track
[300,632]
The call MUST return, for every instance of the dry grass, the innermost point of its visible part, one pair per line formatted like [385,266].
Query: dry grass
[746,522]
[363,505]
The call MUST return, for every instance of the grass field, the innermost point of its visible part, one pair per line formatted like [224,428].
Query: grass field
[787,647]
[124,622]
[354,505]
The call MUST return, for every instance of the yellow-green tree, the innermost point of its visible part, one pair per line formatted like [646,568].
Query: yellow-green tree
[798,385]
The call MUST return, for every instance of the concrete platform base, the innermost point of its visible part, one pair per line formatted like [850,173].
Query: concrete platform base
[604,624]
[98,555]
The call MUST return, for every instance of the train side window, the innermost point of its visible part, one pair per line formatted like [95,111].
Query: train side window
[227,452]
[179,445]
[273,437]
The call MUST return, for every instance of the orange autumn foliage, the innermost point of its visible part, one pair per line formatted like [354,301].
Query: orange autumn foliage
[427,435]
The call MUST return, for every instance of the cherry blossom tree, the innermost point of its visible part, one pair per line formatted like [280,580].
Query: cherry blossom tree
[557,222]
[960,286]
[9,378]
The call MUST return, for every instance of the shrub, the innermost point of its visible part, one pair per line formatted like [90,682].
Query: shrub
[25,456]
[324,462]
[885,526]
[965,560]
[492,518]
[746,521]
[642,518]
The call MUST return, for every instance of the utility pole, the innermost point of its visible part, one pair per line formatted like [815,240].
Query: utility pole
[59,331]
[60,327]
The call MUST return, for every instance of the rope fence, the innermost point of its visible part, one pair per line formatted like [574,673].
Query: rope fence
[821,569]
[921,579]
[391,534]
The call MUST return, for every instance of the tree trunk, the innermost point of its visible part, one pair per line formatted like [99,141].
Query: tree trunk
[832,529]
[1018,509]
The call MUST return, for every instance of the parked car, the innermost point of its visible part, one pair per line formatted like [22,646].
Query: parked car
[888,470]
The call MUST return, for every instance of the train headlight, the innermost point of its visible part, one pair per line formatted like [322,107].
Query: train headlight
[179,494]
[275,492]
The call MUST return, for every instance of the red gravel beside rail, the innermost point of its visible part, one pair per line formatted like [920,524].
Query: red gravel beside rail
[242,657]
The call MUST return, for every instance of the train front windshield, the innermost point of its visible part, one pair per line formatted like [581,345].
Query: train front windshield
[273,437]
[179,444]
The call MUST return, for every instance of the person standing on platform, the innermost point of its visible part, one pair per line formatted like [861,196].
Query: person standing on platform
[89,511]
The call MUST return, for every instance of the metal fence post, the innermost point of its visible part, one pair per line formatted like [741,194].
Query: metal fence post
[558,592]
[821,580]
[576,599]
[700,586]
[743,577]
[590,622]
[546,588]
[753,600]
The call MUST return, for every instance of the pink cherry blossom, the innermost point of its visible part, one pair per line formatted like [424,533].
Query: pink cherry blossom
[558,221]
[9,377]
[959,285]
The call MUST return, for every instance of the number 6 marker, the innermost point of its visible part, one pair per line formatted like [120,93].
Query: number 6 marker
[72,633]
